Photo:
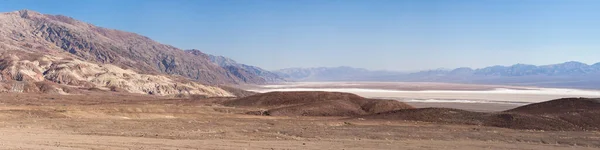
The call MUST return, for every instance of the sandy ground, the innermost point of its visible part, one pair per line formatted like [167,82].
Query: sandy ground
[140,122]
[48,139]
[435,91]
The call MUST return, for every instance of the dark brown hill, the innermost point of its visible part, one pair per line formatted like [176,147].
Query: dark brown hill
[316,104]
[558,106]
[279,99]
[440,115]
[584,113]
[570,114]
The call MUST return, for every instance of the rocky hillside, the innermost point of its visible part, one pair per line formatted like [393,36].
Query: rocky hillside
[22,71]
[242,71]
[58,54]
[31,31]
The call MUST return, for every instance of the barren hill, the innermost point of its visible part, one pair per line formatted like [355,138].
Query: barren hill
[565,105]
[316,104]
[584,113]
[571,114]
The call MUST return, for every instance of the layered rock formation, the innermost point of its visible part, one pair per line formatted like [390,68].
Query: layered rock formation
[24,67]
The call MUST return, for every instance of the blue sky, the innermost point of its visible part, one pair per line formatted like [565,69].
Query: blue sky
[381,34]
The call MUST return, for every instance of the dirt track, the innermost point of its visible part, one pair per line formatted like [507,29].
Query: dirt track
[139,122]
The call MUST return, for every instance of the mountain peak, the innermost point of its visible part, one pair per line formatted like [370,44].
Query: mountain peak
[521,65]
[348,67]
[195,52]
[574,63]
[462,69]
[25,13]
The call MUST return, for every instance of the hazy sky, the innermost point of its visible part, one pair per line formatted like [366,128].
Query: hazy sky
[373,34]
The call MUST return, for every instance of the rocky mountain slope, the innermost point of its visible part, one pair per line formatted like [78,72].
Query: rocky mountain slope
[22,71]
[32,31]
[54,53]
[241,71]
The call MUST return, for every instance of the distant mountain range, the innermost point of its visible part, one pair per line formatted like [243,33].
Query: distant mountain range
[343,73]
[569,74]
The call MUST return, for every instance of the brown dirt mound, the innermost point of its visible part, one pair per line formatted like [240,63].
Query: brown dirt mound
[571,114]
[527,121]
[440,115]
[378,106]
[583,113]
[560,106]
[326,108]
[280,99]
[316,104]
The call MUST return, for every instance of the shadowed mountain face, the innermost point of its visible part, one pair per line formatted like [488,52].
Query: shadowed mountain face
[242,71]
[35,32]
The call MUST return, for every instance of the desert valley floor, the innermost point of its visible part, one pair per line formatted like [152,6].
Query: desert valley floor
[108,120]
[422,94]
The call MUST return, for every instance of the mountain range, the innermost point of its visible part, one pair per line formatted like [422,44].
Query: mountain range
[569,74]
[59,54]
[342,73]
